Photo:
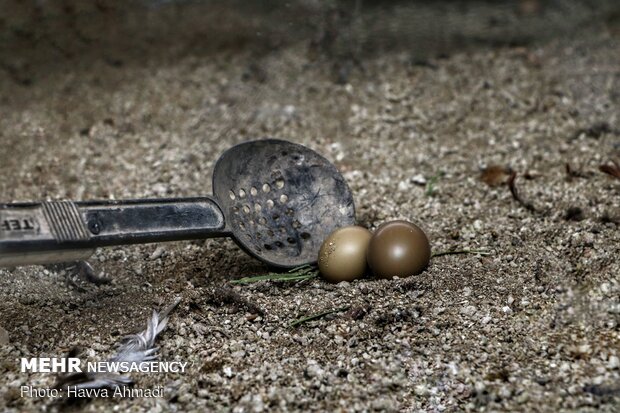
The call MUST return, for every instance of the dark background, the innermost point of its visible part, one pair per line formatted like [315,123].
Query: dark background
[38,37]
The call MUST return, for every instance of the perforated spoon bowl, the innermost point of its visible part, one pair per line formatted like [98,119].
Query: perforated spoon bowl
[278,200]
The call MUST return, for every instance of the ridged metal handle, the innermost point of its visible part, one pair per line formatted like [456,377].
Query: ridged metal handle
[65,221]
[63,231]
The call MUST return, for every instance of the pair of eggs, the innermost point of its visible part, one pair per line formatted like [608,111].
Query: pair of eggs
[397,248]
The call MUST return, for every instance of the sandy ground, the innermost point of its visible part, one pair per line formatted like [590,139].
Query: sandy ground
[534,326]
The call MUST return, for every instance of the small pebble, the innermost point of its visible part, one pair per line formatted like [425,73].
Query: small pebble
[418,179]
[4,337]
[159,251]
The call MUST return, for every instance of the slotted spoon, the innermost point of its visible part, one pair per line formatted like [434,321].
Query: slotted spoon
[278,200]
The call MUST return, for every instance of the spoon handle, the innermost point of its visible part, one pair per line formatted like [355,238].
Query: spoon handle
[63,231]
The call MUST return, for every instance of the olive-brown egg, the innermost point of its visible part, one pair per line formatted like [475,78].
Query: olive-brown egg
[398,248]
[342,256]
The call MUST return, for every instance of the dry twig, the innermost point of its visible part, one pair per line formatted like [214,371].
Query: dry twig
[515,194]
[574,173]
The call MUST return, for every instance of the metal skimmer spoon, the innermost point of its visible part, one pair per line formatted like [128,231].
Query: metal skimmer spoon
[278,200]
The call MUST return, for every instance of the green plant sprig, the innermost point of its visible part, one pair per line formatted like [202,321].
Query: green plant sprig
[430,185]
[460,252]
[312,317]
[305,272]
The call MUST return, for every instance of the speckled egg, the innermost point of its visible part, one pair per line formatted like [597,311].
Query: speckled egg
[342,256]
